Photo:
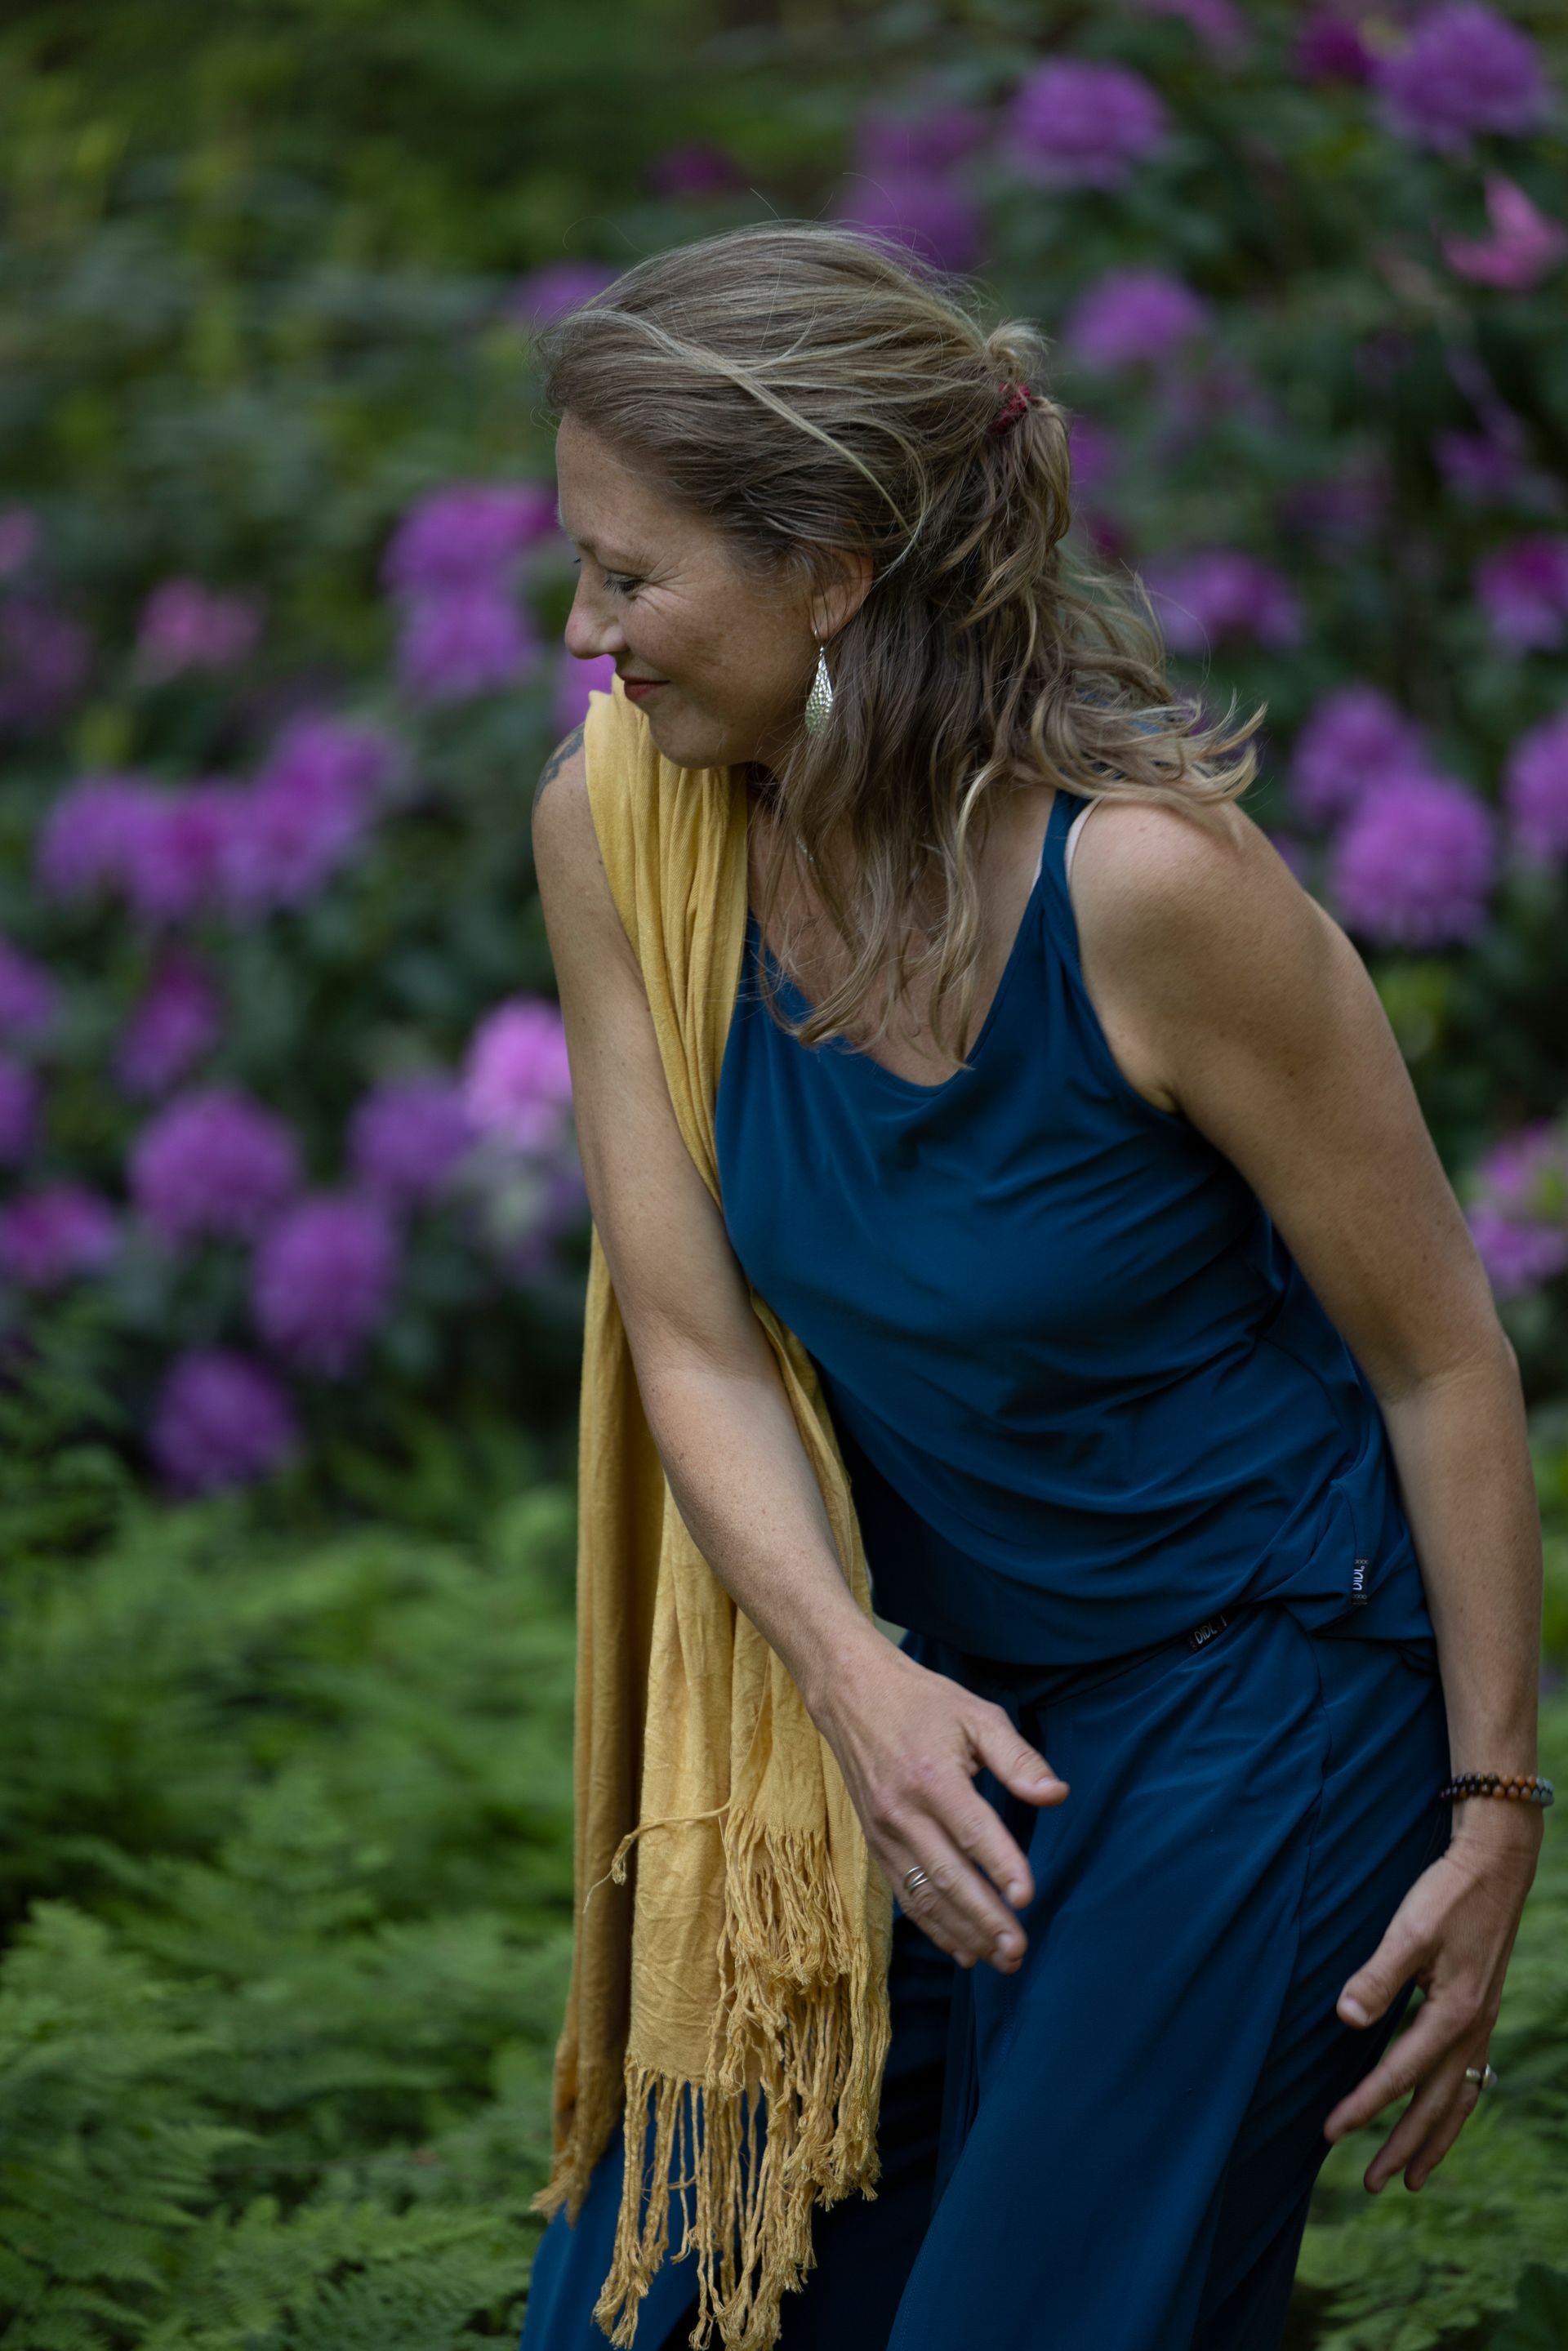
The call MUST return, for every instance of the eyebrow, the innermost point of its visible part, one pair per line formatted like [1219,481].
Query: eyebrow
[616,563]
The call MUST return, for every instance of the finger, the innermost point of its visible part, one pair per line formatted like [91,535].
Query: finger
[1429,2113]
[1024,1771]
[1430,2154]
[1442,2023]
[956,1898]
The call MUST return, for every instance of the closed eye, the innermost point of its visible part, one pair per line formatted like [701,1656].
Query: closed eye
[619,583]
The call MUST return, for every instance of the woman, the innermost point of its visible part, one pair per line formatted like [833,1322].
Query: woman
[1077,1163]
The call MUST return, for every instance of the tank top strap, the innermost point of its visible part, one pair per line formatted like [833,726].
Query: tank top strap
[1057,906]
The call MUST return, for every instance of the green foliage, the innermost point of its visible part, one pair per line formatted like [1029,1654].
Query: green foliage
[285,1851]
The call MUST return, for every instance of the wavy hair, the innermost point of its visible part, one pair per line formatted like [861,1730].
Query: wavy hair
[804,388]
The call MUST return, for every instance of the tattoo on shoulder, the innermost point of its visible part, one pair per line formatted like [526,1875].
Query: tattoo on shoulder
[557,761]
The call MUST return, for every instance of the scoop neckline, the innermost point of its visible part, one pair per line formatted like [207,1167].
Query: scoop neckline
[911,1086]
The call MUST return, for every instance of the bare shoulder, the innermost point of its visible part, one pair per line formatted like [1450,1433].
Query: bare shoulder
[1184,917]
[580,908]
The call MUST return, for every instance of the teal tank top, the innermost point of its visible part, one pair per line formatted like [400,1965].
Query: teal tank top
[1084,1395]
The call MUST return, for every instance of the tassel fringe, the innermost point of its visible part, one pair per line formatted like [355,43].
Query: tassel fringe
[799,2039]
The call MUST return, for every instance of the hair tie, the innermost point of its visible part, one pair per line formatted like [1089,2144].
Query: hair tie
[1007,416]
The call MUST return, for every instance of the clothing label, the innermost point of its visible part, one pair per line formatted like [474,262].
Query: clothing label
[1205,1631]
[1359,1594]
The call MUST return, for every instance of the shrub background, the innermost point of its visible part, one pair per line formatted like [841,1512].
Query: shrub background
[283,1770]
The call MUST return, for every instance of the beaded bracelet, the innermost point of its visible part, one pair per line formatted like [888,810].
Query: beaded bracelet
[1526,1788]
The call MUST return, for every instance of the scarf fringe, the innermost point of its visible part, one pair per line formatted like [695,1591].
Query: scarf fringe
[802,2028]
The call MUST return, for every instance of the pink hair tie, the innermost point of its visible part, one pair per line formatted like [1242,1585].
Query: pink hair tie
[1007,417]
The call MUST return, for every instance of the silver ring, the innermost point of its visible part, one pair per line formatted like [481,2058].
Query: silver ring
[913,1877]
[1481,2074]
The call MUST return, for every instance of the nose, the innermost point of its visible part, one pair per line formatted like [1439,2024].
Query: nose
[587,635]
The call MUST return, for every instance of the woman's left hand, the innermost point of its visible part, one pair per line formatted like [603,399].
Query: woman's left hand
[1453,1933]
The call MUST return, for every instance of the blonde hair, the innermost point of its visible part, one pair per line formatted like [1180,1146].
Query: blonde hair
[803,388]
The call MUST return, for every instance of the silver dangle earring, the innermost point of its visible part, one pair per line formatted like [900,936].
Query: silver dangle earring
[819,700]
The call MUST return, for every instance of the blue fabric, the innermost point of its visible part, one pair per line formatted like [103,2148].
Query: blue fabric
[1113,2149]
[1084,1394]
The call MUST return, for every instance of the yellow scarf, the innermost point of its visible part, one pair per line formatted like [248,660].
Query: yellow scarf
[747,1960]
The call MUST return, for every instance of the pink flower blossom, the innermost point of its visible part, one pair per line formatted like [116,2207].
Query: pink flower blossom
[1351,739]
[1416,862]
[1132,318]
[1221,592]
[545,293]
[220,1420]
[467,535]
[323,1280]
[1523,589]
[29,997]
[1078,124]
[466,642]
[1523,246]
[175,1024]
[517,1081]
[214,1163]
[1466,69]
[1535,789]
[407,1136]
[184,626]
[50,1236]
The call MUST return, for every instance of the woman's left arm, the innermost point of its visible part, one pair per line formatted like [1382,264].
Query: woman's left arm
[1267,1031]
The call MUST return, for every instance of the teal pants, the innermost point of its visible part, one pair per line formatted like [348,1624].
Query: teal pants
[1113,2149]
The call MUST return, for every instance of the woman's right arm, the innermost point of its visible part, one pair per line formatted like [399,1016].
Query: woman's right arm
[908,1740]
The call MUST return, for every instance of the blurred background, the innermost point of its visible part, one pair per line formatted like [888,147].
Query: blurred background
[292,1228]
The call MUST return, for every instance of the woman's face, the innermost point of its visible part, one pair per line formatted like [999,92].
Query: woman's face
[659,591]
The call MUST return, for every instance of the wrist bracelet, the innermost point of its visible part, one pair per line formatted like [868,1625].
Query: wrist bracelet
[1527,1788]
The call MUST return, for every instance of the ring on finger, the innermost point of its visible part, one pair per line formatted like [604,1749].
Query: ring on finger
[1483,2074]
[914,1877]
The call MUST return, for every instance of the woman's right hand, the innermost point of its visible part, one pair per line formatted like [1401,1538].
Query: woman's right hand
[909,1743]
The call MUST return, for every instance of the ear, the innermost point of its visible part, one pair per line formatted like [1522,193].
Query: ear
[834,606]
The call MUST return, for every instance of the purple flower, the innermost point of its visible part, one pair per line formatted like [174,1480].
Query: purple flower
[407,1136]
[932,217]
[1523,589]
[1535,789]
[466,642]
[1080,125]
[1350,740]
[1094,455]
[176,1022]
[1466,69]
[575,680]
[932,139]
[517,1082]
[49,1236]
[1525,1173]
[1132,318]
[20,1100]
[697,168]
[220,1420]
[468,534]
[1328,49]
[1218,25]
[1220,591]
[85,845]
[544,294]
[1415,864]
[323,1280]
[20,539]
[185,626]
[214,1163]
[1523,248]
[176,855]
[1486,469]
[30,999]
[1518,1257]
[307,812]
[44,660]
